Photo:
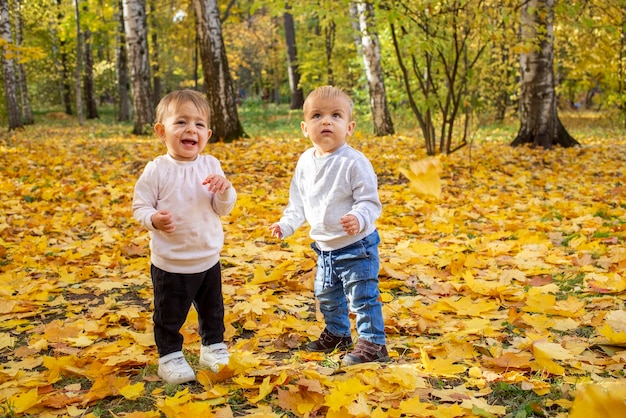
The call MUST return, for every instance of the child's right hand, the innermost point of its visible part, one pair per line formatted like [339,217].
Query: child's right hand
[276,231]
[163,221]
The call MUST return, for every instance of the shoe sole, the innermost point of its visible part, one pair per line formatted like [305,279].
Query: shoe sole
[176,382]
[380,360]
[327,350]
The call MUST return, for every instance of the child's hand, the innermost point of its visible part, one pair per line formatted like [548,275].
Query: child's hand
[163,221]
[276,231]
[217,183]
[350,224]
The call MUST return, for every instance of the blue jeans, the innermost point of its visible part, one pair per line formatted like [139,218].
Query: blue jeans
[347,280]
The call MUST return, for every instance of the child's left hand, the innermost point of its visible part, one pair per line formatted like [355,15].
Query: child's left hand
[217,183]
[350,224]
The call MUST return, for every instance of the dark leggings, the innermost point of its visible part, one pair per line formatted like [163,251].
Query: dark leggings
[173,296]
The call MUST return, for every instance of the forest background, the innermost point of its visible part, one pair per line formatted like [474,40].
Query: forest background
[502,267]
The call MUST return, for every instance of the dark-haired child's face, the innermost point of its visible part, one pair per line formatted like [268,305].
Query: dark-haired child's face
[185,131]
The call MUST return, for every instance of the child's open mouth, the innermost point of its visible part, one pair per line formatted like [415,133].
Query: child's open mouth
[189,142]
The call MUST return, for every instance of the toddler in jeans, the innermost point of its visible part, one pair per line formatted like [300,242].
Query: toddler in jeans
[334,189]
[179,198]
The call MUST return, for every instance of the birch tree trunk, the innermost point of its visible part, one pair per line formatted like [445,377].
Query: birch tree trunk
[363,17]
[218,82]
[8,69]
[137,41]
[297,96]
[61,59]
[121,68]
[539,122]
[27,113]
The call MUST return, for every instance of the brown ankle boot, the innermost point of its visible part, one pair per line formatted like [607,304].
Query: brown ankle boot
[366,352]
[328,343]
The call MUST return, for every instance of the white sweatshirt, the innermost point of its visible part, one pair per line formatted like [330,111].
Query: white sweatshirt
[325,189]
[176,186]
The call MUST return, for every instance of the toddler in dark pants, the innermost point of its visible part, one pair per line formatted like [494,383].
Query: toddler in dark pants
[179,198]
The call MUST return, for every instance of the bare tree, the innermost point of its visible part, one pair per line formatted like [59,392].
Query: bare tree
[362,13]
[137,41]
[539,121]
[8,69]
[218,82]
[91,104]
[437,52]
[297,96]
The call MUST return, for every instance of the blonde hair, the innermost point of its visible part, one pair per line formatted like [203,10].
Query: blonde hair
[178,97]
[328,92]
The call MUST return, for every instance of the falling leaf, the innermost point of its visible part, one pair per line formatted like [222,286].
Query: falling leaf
[424,177]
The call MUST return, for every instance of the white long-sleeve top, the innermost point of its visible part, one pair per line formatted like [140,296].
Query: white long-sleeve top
[176,186]
[324,189]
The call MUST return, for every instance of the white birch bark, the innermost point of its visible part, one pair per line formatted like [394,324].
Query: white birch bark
[369,45]
[27,113]
[137,43]
[539,122]
[8,69]
[218,82]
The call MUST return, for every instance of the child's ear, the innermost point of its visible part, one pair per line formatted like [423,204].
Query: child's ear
[305,131]
[209,134]
[159,128]
[350,129]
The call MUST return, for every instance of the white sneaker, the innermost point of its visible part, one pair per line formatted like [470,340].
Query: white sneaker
[214,356]
[174,369]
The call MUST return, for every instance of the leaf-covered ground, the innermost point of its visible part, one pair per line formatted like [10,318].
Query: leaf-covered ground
[503,297]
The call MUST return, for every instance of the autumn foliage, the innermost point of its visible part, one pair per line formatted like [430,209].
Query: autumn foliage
[508,274]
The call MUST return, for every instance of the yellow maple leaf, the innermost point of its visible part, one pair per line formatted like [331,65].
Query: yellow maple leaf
[423,176]
[614,337]
[132,392]
[440,366]
[22,402]
[6,340]
[265,389]
[255,305]
[344,393]
[471,307]
[414,407]
[360,408]
[545,352]
[604,400]
[81,341]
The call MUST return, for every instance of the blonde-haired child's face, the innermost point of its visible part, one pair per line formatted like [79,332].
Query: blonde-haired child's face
[185,131]
[327,122]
